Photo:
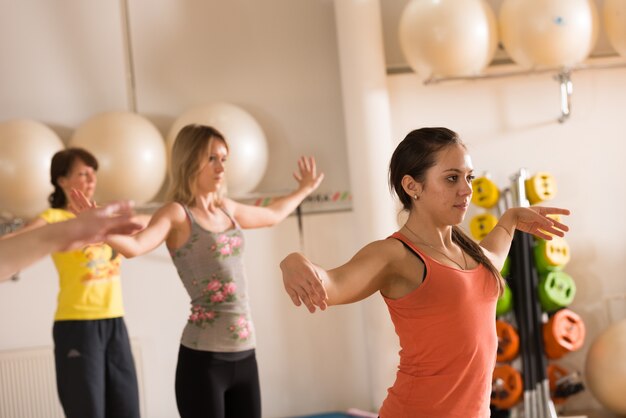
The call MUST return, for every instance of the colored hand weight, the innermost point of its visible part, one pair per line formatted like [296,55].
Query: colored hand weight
[481,225]
[556,290]
[508,341]
[504,304]
[551,255]
[540,187]
[506,387]
[563,383]
[485,192]
[563,333]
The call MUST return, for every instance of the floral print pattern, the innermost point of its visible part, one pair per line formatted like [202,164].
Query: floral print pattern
[201,316]
[226,246]
[219,290]
[215,291]
[240,330]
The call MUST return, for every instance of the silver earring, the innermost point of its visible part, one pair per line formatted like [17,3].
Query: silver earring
[415,197]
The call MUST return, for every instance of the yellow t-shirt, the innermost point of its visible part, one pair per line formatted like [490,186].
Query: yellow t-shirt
[89,278]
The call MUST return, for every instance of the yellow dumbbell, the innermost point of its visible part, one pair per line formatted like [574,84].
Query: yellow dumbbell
[481,225]
[485,192]
[551,255]
[540,187]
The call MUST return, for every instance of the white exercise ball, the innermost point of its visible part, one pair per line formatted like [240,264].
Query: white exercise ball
[26,150]
[548,33]
[448,37]
[605,368]
[615,24]
[131,155]
[248,150]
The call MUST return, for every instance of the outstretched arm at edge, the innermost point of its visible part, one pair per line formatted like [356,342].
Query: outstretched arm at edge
[24,248]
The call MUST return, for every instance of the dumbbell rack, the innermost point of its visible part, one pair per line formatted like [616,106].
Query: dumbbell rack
[529,316]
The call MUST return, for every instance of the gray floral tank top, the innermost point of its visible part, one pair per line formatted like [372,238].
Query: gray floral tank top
[210,266]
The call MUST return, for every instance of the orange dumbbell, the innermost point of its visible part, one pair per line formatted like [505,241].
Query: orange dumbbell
[506,387]
[508,341]
[563,383]
[563,333]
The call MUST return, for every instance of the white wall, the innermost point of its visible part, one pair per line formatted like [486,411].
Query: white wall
[511,123]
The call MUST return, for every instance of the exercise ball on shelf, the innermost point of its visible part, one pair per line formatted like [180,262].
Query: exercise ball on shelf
[605,368]
[448,38]
[26,150]
[248,150]
[615,24]
[548,33]
[131,155]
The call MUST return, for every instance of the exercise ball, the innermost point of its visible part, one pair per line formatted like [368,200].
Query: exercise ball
[131,155]
[248,150]
[448,37]
[548,33]
[615,24]
[26,150]
[605,368]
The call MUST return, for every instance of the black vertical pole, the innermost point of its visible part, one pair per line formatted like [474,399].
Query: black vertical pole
[543,385]
[520,287]
[537,403]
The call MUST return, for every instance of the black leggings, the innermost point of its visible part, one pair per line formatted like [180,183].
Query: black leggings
[213,385]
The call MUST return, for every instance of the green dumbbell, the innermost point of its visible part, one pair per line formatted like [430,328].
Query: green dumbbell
[551,255]
[505,302]
[556,290]
[506,268]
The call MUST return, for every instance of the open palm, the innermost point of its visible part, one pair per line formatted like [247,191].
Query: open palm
[535,220]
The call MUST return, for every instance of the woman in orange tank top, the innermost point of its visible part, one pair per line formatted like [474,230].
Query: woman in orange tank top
[439,285]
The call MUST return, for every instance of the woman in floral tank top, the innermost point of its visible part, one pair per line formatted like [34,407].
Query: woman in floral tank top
[216,374]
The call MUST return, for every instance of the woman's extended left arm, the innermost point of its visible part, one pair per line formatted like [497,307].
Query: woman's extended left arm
[534,220]
[249,216]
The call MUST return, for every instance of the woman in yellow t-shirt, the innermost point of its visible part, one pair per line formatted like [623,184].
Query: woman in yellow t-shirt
[95,370]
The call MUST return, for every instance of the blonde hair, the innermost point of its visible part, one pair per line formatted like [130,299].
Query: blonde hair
[190,148]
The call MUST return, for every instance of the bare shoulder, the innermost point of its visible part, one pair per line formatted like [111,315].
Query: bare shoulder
[389,250]
[230,205]
[173,211]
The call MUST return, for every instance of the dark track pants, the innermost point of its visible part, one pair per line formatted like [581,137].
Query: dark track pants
[95,370]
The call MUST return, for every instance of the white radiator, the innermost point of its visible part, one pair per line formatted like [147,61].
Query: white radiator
[28,383]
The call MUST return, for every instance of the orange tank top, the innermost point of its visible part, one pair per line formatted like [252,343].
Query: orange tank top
[448,343]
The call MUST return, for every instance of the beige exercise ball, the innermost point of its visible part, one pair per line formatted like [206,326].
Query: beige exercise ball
[615,24]
[605,368]
[448,38]
[248,150]
[131,155]
[548,33]
[26,150]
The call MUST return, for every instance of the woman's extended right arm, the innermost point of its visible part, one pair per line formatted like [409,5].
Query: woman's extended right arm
[366,273]
[151,236]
